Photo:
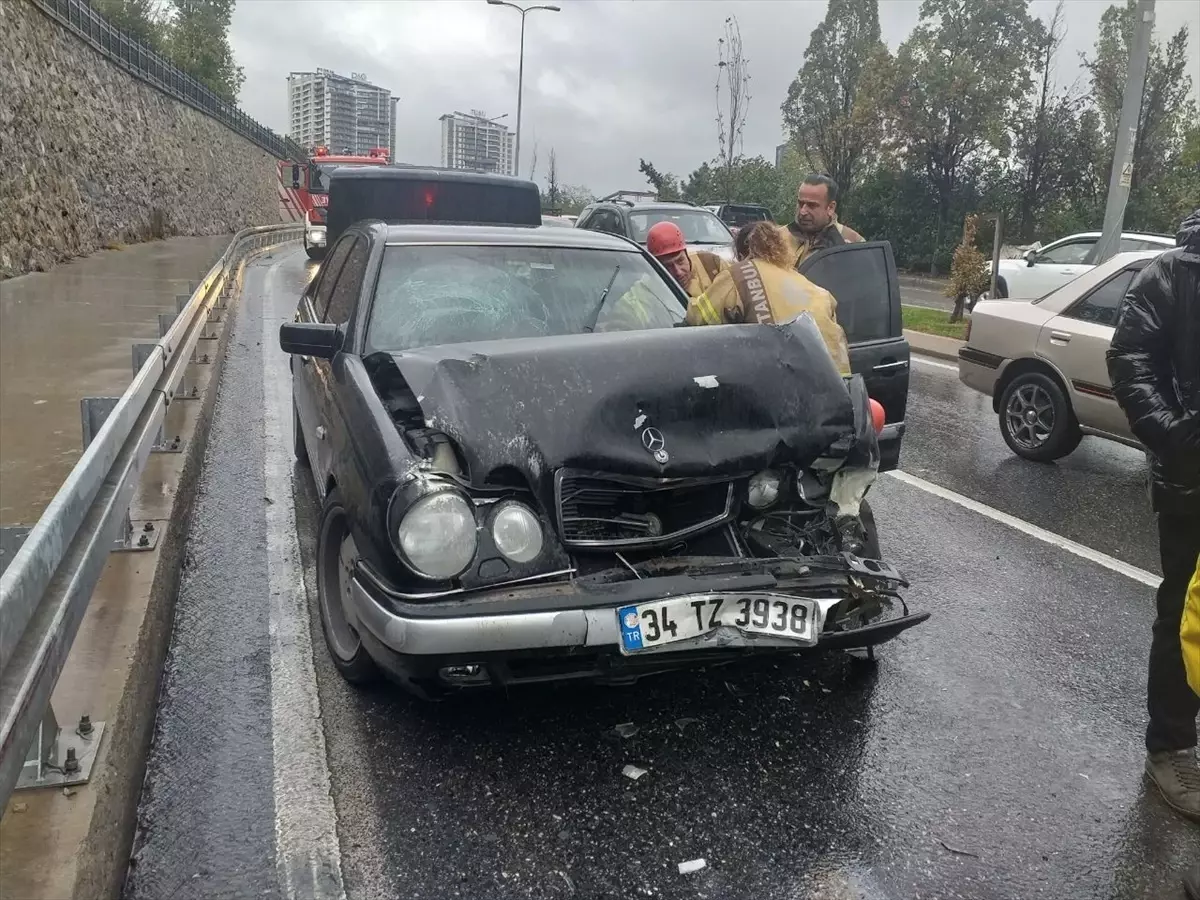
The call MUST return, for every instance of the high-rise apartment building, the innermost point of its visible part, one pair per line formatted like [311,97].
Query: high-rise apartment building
[347,115]
[474,142]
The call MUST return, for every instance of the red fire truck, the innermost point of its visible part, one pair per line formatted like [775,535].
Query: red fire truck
[304,191]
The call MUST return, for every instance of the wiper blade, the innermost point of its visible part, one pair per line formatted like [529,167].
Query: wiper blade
[603,297]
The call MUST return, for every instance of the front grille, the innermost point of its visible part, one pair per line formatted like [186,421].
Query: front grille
[601,510]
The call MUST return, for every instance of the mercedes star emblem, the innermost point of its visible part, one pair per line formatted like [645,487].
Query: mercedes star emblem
[653,440]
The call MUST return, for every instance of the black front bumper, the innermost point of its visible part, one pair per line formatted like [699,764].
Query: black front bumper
[569,630]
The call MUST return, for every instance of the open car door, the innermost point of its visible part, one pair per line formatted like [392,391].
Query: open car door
[862,278]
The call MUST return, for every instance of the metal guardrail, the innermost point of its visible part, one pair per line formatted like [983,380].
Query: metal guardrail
[144,64]
[46,588]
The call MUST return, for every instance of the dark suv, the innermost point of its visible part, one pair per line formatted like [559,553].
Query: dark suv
[737,215]
[701,229]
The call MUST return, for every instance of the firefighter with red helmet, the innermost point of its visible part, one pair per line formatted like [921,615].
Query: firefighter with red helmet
[693,269]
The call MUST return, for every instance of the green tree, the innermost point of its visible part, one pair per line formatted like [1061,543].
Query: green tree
[1166,109]
[703,185]
[958,77]
[1042,134]
[143,20]
[574,197]
[665,184]
[199,44]
[831,111]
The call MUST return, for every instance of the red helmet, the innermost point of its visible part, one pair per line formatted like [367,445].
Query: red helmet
[878,417]
[664,239]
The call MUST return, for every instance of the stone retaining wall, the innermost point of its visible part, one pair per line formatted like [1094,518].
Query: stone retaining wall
[90,156]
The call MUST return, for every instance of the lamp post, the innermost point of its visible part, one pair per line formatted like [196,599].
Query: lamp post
[523,10]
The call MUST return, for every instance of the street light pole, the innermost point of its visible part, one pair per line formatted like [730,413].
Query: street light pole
[1121,177]
[520,72]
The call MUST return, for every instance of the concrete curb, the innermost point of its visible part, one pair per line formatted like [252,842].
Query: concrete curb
[104,853]
[934,345]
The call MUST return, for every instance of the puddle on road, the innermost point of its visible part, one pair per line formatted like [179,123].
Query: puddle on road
[68,334]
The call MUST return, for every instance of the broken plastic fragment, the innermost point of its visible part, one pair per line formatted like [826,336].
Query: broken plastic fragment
[707,381]
[639,421]
[692,865]
[633,772]
[683,723]
[626,729]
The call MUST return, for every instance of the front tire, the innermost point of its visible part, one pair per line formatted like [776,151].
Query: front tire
[336,556]
[1036,419]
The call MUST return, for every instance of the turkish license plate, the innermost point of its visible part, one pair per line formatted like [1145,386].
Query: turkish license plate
[660,622]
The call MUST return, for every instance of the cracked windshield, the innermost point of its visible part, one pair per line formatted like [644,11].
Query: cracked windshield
[484,449]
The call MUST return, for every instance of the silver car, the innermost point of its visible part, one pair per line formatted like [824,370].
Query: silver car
[1043,362]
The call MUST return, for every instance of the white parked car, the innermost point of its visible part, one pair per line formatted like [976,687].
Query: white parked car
[1043,270]
[1043,362]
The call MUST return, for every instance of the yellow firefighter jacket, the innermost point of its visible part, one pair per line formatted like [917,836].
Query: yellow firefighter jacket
[1189,631]
[835,233]
[754,290]
[705,267]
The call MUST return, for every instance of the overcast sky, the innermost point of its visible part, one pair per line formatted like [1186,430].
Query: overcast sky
[606,81]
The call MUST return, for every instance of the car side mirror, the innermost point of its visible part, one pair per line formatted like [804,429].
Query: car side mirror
[319,339]
[1030,256]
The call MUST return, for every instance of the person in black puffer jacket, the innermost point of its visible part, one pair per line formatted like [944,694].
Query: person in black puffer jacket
[1154,366]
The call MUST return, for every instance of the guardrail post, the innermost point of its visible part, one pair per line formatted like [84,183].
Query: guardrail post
[141,353]
[57,757]
[185,391]
[53,758]
[93,412]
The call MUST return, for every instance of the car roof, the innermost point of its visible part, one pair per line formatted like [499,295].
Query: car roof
[414,173]
[1136,235]
[534,236]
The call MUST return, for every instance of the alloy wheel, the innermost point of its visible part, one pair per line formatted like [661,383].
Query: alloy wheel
[339,556]
[1031,417]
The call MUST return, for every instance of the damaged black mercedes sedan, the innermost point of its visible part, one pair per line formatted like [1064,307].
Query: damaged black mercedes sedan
[529,473]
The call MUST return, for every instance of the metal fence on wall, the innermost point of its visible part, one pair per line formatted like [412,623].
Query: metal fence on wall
[146,65]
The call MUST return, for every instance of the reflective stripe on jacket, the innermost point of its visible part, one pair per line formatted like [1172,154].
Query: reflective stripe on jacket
[757,291]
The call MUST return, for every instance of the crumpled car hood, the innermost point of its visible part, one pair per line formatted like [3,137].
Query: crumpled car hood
[710,401]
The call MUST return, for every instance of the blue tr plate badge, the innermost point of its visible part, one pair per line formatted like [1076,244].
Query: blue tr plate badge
[631,632]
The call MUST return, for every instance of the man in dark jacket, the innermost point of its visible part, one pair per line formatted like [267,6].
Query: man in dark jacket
[1154,366]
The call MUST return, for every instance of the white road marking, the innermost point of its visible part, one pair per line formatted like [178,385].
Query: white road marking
[926,361]
[1101,559]
[306,843]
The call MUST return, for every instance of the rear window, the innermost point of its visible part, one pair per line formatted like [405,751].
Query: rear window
[860,283]
[428,295]
[698,225]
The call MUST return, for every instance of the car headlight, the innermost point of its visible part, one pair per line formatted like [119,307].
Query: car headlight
[437,535]
[517,532]
[763,489]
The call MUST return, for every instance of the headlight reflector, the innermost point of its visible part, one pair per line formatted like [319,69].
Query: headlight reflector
[437,535]
[517,532]
[763,489]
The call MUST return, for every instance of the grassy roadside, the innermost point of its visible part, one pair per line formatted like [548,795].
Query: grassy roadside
[933,321]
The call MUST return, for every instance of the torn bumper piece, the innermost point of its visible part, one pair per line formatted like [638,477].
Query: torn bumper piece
[571,630]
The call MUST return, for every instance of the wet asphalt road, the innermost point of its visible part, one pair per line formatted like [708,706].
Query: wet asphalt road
[993,752]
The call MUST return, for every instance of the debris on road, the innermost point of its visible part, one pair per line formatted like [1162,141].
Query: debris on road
[683,723]
[692,865]
[626,729]
[567,879]
[957,852]
[633,772]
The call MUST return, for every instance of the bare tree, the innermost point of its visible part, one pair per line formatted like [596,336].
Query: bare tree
[733,101]
[552,191]
[533,162]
